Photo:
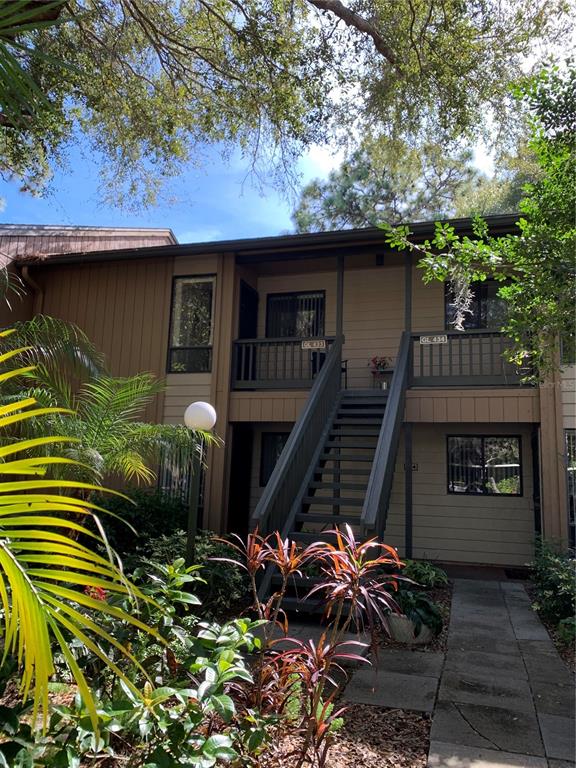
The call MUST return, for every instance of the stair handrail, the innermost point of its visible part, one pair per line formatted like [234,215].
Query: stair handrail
[378,491]
[294,461]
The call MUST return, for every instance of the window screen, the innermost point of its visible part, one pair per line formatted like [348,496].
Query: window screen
[272,446]
[299,315]
[484,465]
[191,325]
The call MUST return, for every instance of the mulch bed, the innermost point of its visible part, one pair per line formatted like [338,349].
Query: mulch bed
[372,737]
[567,652]
[443,599]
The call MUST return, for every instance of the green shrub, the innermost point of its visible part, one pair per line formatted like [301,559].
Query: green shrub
[567,631]
[554,575]
[425,574]
[150,513]
[224,588]
[420,610]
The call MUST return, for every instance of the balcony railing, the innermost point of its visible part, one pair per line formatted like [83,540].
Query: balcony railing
[286,363]
[462,358]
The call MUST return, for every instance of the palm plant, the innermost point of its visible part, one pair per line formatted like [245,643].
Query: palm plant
[21,96]
[63,370]
[51,586]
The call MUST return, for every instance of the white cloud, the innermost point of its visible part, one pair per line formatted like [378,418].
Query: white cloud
[483,160]
[318,161]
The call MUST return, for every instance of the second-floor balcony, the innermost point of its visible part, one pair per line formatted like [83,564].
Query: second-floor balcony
[284,363]
[474,358]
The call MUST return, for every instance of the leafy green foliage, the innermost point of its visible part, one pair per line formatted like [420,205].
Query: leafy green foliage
[48,580]
[224,588]
[536,266]
[554,575]
[147,523]
[420,610]
[424,573]
[567,631]
[149,83]
[385,180]
[61,369]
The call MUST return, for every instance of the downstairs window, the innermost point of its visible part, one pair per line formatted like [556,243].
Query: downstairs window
[484,465]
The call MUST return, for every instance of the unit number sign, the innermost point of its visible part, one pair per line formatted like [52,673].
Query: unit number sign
[314,344]
[440,339]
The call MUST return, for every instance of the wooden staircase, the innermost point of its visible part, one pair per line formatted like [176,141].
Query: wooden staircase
[335,494]
[337,466]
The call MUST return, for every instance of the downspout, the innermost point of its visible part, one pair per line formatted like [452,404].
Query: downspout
[38,293]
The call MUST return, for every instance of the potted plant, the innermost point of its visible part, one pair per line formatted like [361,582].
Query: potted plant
[380,365]
[420,620]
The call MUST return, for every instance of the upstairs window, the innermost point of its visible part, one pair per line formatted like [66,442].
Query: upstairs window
[299,315]
[488,310]
[484,465]
[191,327]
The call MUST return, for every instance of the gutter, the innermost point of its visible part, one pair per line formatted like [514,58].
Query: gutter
[297,246]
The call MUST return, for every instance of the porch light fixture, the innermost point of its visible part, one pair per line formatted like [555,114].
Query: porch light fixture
[198,415]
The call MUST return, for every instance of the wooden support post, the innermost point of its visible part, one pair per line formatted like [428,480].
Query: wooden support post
[407,291]
[408,523]
[340,295]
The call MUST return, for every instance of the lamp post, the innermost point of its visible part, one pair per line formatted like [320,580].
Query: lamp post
[198,415]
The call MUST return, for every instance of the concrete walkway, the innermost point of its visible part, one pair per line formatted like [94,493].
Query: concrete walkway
[505,697]
[501,696]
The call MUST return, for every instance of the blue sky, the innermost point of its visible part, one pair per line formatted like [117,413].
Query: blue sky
[213,203]
[216,202]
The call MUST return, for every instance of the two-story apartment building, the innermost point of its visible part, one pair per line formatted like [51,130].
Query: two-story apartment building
[445,453]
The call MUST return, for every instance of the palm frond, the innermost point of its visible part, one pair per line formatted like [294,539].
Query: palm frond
[46,574]
[20,95]
[60,353]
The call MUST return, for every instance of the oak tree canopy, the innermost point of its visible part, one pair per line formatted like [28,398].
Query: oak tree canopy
[149,84]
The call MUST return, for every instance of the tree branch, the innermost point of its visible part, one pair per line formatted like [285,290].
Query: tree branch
[353,19]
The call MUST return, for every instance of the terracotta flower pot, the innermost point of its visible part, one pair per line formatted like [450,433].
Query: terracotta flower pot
[402,630]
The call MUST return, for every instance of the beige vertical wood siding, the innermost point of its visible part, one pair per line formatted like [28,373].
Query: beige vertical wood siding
[493,530]
[267,406]
[122,306]
[373,318]
[181,390]
[512,405]
[427,303]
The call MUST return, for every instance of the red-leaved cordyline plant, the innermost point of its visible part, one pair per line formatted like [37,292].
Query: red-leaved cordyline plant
[357,579]
[356,582]
[315,664]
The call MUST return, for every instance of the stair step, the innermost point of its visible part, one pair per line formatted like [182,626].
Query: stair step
[355,411]
[355,433]
[347,457]
[352,393]
[311,536]
[339,471]
[339,486]
[303,606]
[355,423]
[322,518]
[345,444]
[333,501]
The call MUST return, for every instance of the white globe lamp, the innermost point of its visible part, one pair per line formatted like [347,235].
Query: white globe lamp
[200,415]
